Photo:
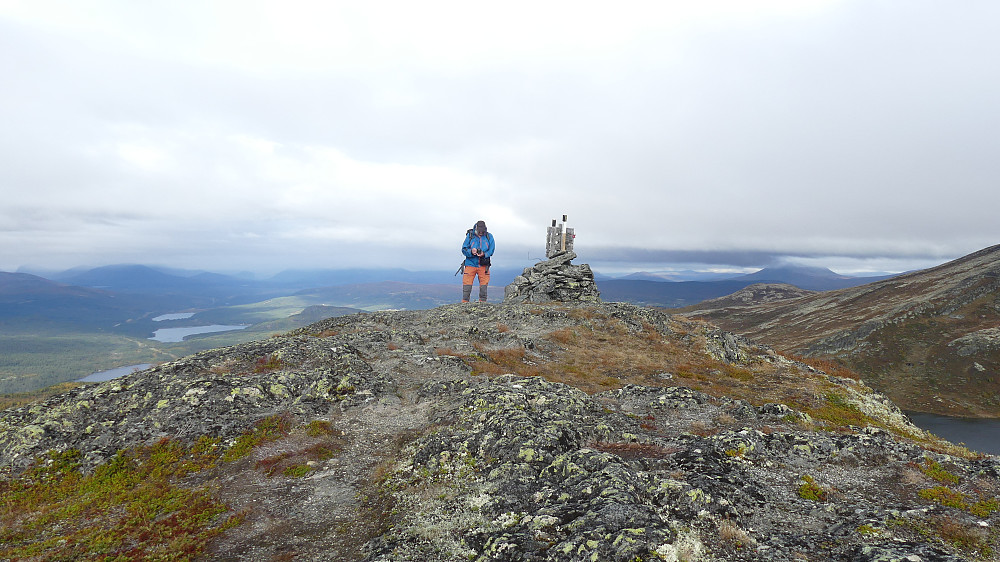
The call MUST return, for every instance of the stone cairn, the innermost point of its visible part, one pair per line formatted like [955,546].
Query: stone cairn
[555,279]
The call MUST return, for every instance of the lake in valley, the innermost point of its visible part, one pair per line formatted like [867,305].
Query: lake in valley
[171,335]
[174,316]
[977,434]
[102,376]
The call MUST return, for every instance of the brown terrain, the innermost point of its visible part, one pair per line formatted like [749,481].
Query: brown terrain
[930,339]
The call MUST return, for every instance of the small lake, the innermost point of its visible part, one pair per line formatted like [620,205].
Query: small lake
[173,316]
[102,376]
[977,434]
[172,335]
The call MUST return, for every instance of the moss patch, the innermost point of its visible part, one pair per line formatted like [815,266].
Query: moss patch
[132,507]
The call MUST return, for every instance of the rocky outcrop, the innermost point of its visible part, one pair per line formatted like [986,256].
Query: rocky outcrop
[533,470]
[464,434]
[554,280]
[758,293]
[219,393]
[977,342]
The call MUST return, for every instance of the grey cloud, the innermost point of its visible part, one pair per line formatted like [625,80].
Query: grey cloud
[864,131]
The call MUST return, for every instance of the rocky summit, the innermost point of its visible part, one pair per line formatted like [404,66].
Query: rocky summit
[554,280]
[521,431]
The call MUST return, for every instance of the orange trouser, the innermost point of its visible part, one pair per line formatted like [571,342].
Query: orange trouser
[469,276]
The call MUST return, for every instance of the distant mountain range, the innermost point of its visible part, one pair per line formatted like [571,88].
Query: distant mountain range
[809,278]
[929,339]
[685,275]
[125,294]
[671,294]
[227,289]
[25,298]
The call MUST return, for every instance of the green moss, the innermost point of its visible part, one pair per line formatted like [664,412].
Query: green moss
[345,385]
[867,529]
[839,412]
[270,428]
[945,496]
[810,490]
[934,469]
[985,507]
[319,428]
[297,471]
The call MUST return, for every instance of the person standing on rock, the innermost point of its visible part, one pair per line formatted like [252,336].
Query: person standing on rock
[478,247]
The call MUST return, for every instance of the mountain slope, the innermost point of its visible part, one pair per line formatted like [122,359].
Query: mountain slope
[490,432]
[928,339]
[29,298]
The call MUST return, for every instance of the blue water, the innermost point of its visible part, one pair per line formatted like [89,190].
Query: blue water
[173,316]
[978,434]
[102,376]
[170,335]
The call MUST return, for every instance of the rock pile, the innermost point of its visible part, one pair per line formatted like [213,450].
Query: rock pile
[554,280]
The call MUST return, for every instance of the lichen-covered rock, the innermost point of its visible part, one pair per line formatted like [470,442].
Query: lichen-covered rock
[533,470]
[217,393]
[554,280]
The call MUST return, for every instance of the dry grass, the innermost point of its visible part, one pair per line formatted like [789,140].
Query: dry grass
[734,536]
[829,365]
[630,451]
[224,368]
[24,398]
[504,360]
[962,535]
[724,420]
[603,353]
[268,364]
[702,428]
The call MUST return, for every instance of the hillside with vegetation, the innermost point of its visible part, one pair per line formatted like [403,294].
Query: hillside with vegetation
[928,339]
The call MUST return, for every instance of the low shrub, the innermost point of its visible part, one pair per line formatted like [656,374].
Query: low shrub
[810,490]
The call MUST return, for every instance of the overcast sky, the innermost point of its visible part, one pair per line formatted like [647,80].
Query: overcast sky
[243,135]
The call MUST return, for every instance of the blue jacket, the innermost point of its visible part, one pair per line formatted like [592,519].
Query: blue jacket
[472,240]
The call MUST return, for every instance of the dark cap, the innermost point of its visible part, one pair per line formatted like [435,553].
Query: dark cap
[481,227]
